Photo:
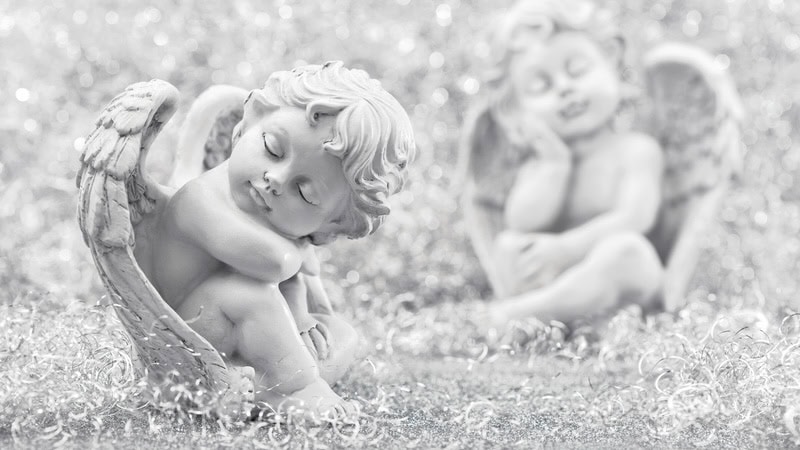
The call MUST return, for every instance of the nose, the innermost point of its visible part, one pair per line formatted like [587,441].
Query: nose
[275,181]
[564,86]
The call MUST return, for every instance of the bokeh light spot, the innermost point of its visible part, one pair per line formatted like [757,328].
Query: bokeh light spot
[86,80]
[760,218]
[471,86]
[352,277]
[406,45]
[112,18]
[153,15]
[792,42]
[431,281]
[440,96]
[435,172]
[444,15]
[285,12]
[78,143]
[30,125]
[80,17]
[161,39]
[694,16]
[23,94]
[436,60]
[7,24]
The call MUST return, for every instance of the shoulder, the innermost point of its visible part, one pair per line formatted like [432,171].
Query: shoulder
[193,195]
[194,205]
[641,149]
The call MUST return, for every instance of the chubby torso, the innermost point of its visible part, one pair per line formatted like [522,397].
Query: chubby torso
[594,184]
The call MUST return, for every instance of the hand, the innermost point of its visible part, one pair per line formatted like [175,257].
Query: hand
[543,260]
[311,264]
[528,261]
[531,132]
[316,340]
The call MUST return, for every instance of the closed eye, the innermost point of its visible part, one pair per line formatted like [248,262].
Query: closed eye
[577,66]
[537,85]
[307,193]
[271,147]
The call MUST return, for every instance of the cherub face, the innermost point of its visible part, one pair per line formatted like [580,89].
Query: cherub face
[567,82]
[280,174]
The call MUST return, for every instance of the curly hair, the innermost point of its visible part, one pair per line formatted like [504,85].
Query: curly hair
[372,135]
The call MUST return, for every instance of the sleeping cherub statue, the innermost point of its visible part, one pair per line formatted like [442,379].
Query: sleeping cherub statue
[215,276]
[571,213]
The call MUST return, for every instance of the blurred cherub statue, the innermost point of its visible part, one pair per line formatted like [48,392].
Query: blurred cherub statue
[570,215]
[215,277]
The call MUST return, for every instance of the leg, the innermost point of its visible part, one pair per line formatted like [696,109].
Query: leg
[250,322]
[332,341]
[622,268]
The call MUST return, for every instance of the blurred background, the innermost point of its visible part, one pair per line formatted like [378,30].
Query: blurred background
[62,61]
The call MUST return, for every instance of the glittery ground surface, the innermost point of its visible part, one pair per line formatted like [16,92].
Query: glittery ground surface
[723,372]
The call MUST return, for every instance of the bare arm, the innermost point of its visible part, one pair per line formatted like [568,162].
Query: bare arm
[538,195]
[541,184]
[232,237]
[637,203]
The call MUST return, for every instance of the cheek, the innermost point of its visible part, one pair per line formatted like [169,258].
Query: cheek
[605,85]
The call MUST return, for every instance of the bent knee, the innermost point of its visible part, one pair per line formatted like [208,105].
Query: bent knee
[627,247]
[631,257]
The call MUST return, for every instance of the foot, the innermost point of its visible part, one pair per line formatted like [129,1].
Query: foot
[238,401]
[315,401]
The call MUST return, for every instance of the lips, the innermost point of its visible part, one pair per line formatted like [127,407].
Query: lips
[574,109]
[259,197]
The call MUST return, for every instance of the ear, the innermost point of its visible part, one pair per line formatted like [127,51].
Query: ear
[614,47]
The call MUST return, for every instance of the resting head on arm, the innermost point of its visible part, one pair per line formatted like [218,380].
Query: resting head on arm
[318,152]
[553,78]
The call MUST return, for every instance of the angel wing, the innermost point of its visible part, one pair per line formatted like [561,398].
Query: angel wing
[118,205]
[205,138]
[694,111]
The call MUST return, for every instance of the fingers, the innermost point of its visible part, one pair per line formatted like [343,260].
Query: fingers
[316,339]
[309,343]
[320,341]
[546,142]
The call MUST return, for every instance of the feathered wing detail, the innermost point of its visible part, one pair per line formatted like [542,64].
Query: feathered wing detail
[695,113]
[205,138]
[118,205]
